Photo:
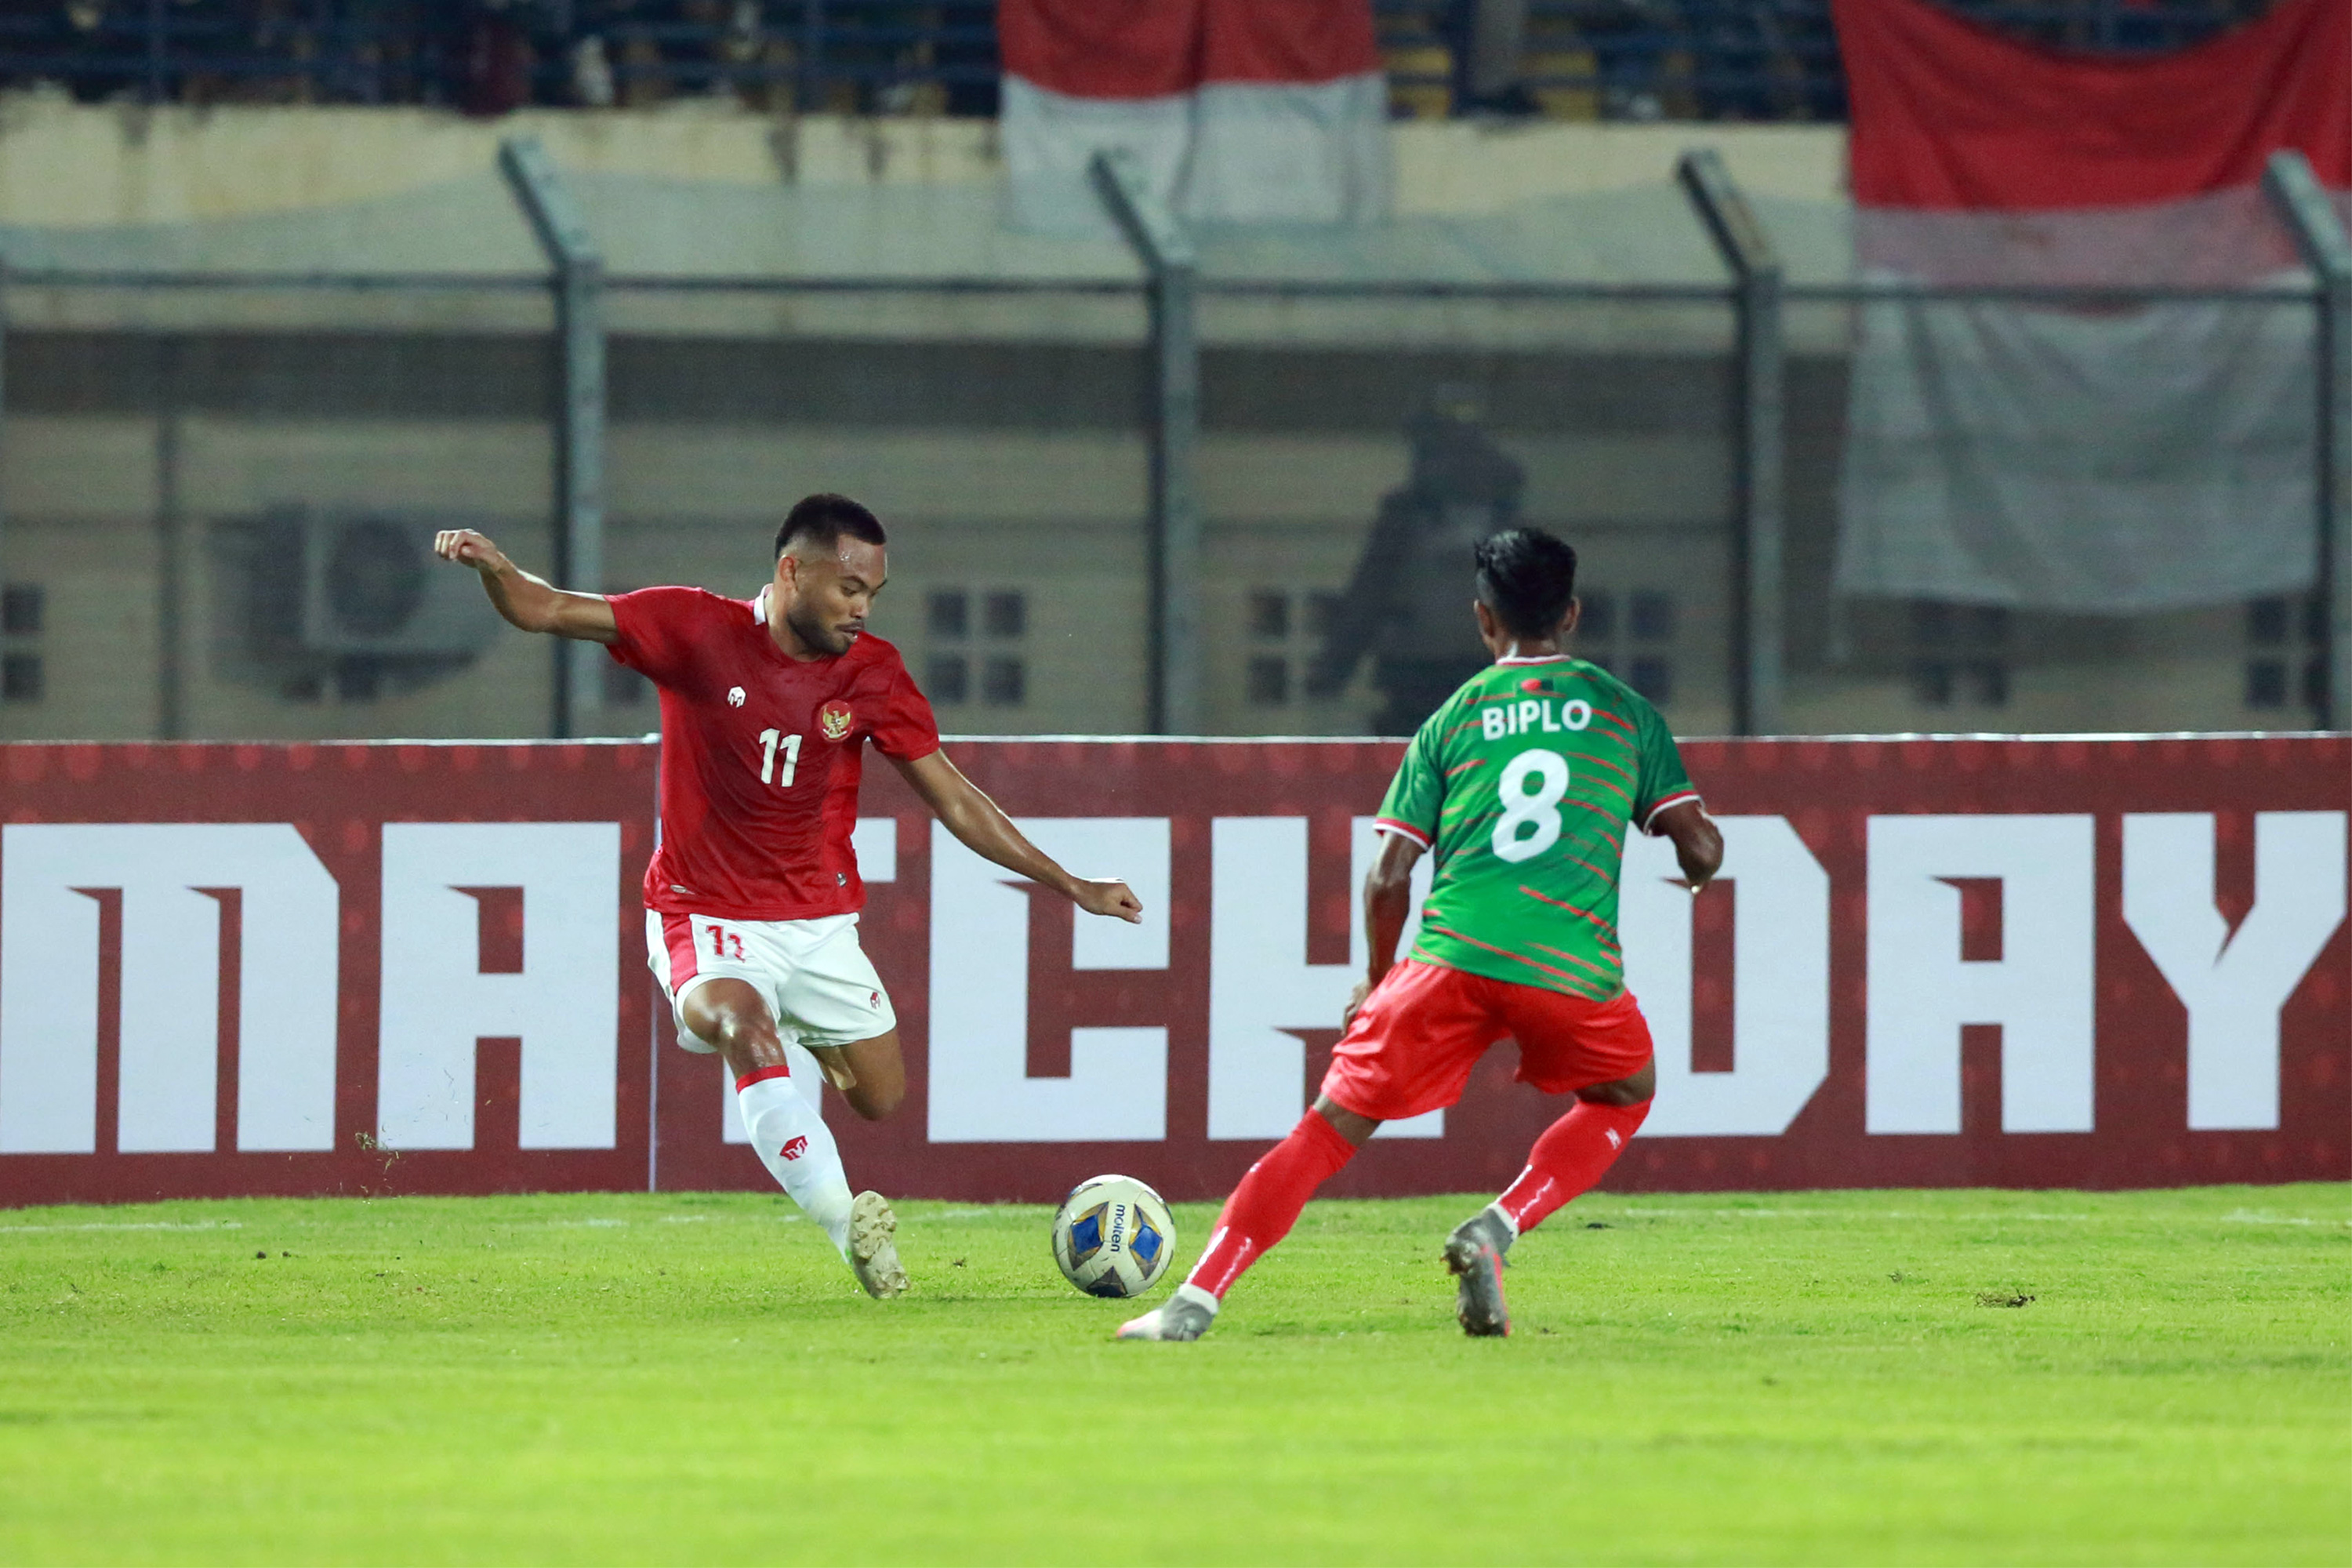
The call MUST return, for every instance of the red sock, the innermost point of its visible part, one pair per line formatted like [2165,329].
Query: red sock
[1265,1206]
[1569,1158]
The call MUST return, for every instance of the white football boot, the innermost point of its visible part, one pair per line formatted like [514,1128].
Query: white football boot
[873,1253]
[1186,1315]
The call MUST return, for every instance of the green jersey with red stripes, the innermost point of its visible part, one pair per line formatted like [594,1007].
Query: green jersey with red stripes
[1525,784]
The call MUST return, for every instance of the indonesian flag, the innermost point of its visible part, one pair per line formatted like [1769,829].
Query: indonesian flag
[1237,111]
[2094,457]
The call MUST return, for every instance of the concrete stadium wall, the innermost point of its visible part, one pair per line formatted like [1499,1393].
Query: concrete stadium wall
[91,165]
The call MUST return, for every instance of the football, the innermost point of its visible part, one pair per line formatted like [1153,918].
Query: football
[1112,1236]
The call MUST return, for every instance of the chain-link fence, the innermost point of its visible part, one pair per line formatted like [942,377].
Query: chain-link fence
[218,480]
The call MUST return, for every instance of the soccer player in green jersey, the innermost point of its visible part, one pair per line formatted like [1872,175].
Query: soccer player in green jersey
[1524,783]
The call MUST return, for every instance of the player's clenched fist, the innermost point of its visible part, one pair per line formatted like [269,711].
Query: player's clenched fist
[468,548]
[1108,897]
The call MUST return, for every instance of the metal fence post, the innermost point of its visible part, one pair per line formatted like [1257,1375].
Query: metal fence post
[1759,540]
[159,24]
[4,439]
[809,87]
[2306,209]
[562,231]
[1175,656]
[175,549]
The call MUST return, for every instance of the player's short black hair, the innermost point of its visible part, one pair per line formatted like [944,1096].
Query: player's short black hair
[1527,577]
[821,520]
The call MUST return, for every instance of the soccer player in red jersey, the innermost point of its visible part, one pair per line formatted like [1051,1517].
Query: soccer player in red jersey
[1524,781]
[752,899]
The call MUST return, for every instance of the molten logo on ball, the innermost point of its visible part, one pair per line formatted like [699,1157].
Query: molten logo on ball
[1113,1237]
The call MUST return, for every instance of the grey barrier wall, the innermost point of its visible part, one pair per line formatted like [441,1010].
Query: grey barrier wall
[1152,482]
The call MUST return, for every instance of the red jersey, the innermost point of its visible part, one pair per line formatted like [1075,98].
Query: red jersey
[760,754]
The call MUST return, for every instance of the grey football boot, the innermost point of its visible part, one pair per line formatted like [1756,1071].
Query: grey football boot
[1475,1253]
[873,1247]
[1176,1318]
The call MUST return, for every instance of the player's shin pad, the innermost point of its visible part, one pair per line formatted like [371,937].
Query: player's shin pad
[796,1146]
[1572,1155]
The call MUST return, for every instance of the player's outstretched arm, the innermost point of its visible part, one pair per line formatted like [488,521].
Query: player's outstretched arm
[531,603]
[984,829]
[1388,902]
[1698,843]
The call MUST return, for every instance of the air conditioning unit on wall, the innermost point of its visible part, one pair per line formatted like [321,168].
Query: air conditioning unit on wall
[371,585]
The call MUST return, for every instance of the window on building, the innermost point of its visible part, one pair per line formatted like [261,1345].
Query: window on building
[23,611]
[949,615]
[1654,616]
[973,652]
[1005,684]
[23,606]
[1285,626]
[1269,614]
[1959,655]
[2266,684]
[21,678]
[2286,638]
[1322,613]
[948,679]
[1630,634]
[1985,681]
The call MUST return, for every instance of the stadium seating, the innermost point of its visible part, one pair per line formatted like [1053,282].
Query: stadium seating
[1615,60]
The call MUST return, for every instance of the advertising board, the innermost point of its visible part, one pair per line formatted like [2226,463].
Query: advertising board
[2062,962]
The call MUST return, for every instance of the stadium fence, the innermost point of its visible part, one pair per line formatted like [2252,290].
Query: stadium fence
[1135,486]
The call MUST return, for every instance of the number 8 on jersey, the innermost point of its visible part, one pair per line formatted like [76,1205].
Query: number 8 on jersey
[1523,783]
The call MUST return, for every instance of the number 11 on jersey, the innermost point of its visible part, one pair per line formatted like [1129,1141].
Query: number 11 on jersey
[771,741]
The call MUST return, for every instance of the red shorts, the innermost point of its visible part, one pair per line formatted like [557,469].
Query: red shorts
[1413,1043]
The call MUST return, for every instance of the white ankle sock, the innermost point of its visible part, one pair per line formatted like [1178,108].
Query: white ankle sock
[1500,1213]
[796,1146]
[1198,1297]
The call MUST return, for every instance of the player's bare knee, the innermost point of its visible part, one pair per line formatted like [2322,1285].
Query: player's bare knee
[747,1038]
[728,1014]
[1351,1125]
[1635,1091]
[754,1033]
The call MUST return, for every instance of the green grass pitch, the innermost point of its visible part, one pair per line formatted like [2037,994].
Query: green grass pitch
[1856,1377]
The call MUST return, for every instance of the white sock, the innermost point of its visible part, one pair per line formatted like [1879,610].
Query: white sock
[1198,1297]
[796,1146]
[1500,1213]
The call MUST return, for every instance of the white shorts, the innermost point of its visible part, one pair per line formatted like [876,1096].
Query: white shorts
[816,980]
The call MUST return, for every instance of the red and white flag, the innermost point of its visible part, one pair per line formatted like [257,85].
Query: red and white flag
[1236,111]
[2094,459]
